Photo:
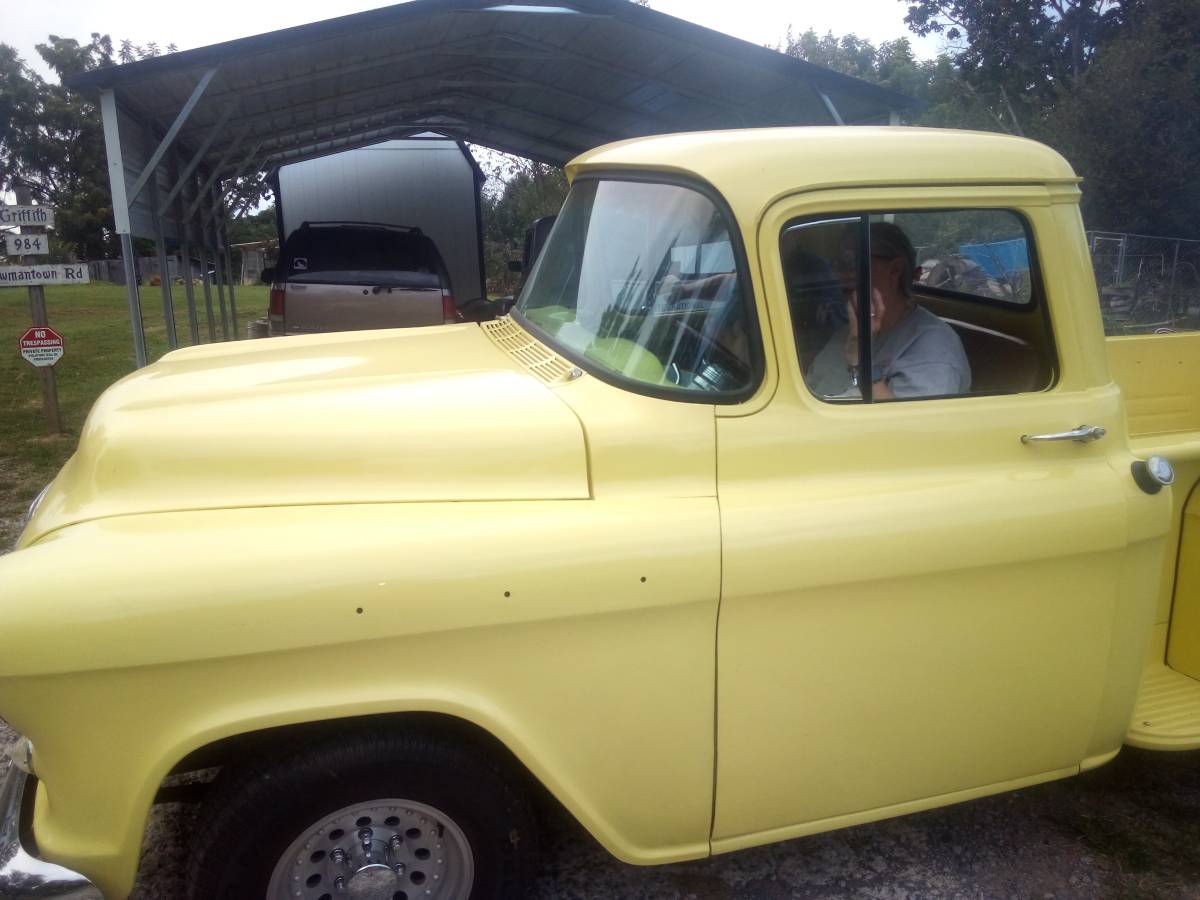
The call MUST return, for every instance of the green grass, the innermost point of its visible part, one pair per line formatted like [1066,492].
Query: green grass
[94,320]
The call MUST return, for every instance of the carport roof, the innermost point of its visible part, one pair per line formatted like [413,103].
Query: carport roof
[545,80]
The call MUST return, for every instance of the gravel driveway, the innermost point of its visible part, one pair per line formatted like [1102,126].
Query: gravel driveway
[1128,831]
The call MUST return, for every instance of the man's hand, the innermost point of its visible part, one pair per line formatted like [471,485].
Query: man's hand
[877,309]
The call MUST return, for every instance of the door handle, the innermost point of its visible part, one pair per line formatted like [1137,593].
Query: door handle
[1082,435]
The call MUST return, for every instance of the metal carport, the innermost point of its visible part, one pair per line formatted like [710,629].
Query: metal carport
[543,80]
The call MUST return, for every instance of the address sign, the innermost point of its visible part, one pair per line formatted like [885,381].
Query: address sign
[27,215]
[26,244]
[29,276]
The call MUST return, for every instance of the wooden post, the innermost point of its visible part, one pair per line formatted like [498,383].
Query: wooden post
[38,315]
[37,311]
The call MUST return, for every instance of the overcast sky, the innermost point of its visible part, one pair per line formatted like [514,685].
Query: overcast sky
[760,21]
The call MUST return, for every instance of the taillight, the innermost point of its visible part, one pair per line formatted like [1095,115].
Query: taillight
[275,323]
[450,313]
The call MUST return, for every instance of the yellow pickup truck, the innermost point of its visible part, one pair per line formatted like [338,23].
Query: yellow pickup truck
[800,489]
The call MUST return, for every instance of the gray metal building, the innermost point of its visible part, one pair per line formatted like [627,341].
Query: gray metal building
[429,182]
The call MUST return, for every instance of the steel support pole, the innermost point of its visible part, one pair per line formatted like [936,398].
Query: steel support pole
[116,180]
[208,304]
[185,252]
[232,277]
[164,270]
[135,303]
[220,267]
[829,107]
[189,289]
[217,271]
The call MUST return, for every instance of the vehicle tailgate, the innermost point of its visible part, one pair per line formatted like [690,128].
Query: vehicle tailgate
[351,307]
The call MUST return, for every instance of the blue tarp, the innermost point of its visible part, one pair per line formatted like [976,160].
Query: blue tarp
[999,258]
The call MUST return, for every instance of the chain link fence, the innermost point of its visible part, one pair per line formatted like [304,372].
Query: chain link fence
[1147,284]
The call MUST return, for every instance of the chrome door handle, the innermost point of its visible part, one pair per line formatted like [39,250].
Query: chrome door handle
[1082,435]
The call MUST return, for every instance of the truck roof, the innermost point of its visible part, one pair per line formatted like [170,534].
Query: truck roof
[759,164]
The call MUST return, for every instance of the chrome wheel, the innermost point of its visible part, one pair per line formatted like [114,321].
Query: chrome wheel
[377,850]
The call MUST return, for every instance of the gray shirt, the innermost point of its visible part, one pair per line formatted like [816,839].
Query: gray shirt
[920,357]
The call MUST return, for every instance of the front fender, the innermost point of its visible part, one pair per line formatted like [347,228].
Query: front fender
[581,634]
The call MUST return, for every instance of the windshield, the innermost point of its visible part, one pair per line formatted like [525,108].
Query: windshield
[641,280]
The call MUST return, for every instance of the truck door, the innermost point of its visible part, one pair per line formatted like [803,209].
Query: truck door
[917,606]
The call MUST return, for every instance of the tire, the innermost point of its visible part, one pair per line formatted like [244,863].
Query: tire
[443,811]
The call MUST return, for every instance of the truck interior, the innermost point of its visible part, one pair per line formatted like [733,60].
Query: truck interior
[975,269]
[1001,344]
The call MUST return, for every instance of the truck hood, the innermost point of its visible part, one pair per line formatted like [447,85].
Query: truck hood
[415,414]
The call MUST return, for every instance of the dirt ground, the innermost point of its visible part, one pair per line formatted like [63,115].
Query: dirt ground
[1129,831]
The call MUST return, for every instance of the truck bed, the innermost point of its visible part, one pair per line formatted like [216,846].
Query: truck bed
[1160,378]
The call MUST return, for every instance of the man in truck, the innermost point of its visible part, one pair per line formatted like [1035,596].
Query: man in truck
[914,353]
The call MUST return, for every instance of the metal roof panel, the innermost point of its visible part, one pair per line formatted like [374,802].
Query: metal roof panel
[519,79]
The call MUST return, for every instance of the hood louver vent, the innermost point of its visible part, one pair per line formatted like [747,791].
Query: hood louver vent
[527,350]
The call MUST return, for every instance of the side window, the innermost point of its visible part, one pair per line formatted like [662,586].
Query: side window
[916,305]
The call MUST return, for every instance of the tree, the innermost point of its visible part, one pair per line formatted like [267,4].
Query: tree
[1131,126]
[849,54]
[54,143]
[1109,83]
[1019,55]
[259,226]
[521,191]
[949,101]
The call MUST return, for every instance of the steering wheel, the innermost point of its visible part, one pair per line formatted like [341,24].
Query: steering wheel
[716,367]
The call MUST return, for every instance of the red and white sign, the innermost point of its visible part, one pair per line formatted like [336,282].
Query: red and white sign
[41,346]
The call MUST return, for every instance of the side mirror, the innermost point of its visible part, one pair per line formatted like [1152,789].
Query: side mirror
[267,275]
[515,265]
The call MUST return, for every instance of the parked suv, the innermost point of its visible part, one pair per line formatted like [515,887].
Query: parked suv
[347,276]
